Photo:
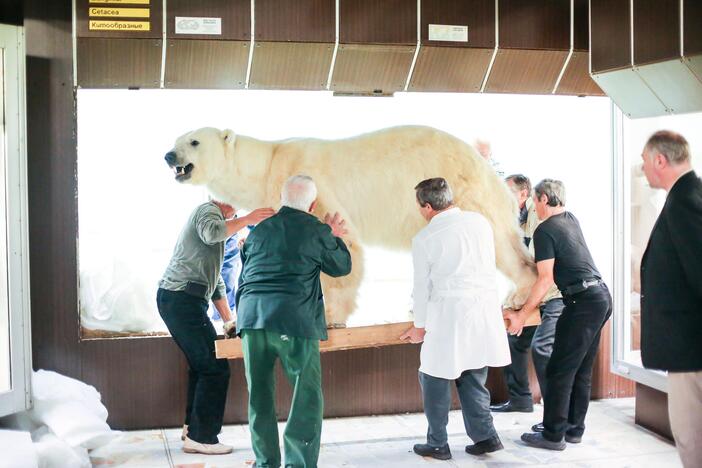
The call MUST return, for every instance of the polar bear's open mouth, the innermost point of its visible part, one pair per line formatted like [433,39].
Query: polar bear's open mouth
[183,172]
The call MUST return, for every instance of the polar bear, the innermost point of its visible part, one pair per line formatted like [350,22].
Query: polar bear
[368,179]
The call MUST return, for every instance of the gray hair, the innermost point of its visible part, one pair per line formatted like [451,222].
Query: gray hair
[671,145]
[435,192]
[520,181]
[554,191]
[299,191]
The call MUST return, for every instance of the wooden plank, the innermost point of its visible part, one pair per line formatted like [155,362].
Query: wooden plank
[367,68]
[119,63]
[291,65]
[202,64]
[373,336]
[455,69]
[525,71]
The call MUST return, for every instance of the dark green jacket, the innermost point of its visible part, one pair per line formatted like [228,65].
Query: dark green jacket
[279,287]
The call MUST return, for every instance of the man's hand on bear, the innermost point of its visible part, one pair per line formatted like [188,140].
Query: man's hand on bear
[336,223]
[229,329]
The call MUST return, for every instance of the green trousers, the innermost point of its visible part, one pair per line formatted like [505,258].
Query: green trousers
[299,358]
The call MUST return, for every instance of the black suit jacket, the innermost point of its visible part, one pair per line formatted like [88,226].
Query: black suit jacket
[671,282]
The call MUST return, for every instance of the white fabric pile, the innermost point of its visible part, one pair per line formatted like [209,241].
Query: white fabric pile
[67,420]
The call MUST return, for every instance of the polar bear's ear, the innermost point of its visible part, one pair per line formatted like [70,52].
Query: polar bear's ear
[229,137]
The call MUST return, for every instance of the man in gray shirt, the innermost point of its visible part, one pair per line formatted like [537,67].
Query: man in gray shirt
[190,281]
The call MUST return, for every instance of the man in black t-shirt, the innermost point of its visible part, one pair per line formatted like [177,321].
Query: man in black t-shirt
[562,257]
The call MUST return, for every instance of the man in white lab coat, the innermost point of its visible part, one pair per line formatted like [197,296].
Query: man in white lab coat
[457,314]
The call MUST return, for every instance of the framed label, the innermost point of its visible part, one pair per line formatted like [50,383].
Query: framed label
[447,32]
[132,2]
[197,25]
[119,12]
[101,25]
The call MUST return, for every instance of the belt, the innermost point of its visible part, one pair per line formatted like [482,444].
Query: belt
[581,286]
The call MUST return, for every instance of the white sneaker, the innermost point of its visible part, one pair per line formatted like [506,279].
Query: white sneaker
[185,432]
[190,446]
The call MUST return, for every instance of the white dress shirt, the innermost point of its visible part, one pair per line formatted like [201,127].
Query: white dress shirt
[455,295]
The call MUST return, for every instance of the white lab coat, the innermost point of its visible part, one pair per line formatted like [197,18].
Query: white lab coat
[455,295]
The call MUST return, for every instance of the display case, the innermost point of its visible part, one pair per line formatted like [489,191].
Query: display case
[636,208]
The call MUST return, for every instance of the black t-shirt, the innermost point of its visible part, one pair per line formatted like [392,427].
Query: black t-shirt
[560,238]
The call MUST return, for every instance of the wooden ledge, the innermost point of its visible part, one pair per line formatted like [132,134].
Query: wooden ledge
[339,339]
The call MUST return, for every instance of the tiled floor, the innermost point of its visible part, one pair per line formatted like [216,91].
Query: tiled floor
[612,440]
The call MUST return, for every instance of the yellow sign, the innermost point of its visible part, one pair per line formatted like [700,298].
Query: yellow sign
[133,2]
[121,12]
[97,25]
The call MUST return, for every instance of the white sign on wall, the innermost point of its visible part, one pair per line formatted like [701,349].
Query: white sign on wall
[448,32]
[196,25]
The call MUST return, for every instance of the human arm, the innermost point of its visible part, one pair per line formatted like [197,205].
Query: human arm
[336,259]
[235,225]
[544,281]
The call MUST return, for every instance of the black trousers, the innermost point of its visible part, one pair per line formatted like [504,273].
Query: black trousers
[540,340]
[208,377]
[569,371]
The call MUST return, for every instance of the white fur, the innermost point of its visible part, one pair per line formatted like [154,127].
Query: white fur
[369,180]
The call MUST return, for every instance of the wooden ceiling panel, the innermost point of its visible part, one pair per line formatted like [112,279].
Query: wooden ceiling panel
[290,65]
[656,30]
[295,20]
[692,32]
[610,22]
[450,69]
[576,80]
[199,64]
[534,24]
[371,68]
[119,63]
[235,16]
[525,71]
[378,22]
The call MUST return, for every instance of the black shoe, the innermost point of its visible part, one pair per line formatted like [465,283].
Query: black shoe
[537,440]
[571,439]
[493,444]
[426,450]
[509,408]
[538,427]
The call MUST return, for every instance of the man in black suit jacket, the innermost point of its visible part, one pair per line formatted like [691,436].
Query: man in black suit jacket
[671,289]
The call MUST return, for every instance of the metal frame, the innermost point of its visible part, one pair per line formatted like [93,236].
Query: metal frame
[621,332]
[18,398]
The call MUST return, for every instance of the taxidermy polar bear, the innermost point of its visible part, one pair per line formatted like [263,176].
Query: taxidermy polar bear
[369,179]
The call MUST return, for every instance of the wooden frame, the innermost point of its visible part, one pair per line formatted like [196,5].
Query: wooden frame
[373,336]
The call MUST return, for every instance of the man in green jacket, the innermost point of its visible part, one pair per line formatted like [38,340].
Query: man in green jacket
[281,315]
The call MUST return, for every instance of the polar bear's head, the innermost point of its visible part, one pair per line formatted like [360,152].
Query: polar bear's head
[198,157]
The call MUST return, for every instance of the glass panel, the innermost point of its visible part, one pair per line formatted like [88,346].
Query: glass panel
[5,359]
[645,205]
[131,210]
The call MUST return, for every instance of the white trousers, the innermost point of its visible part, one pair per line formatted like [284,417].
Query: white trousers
[685,413]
